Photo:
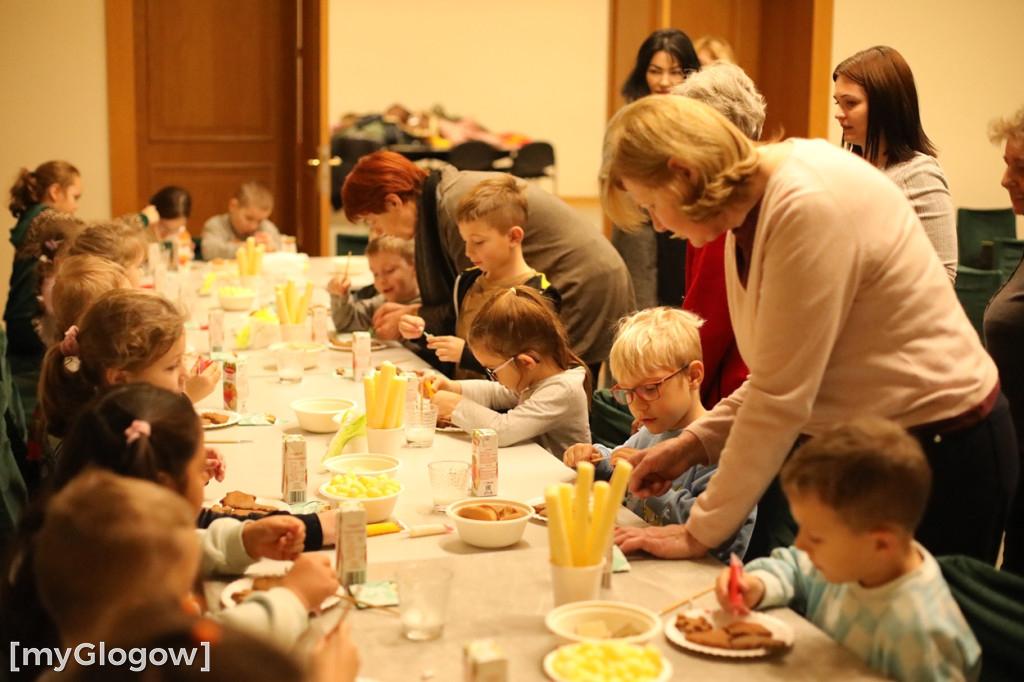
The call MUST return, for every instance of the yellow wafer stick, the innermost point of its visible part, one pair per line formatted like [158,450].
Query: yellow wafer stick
[250,253]
[243,262]
[282,306]
[370,396]
[304,303]
[257,266]
[384,377]
[396,398]
[291,295]
[581,512]
[602,533]
[558,537]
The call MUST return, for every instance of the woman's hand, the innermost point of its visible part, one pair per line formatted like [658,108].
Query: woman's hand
[448,348]
[280,536]
[666,542]
[446,402]
[411,326]
[655,468]
[339,285]
[581,452]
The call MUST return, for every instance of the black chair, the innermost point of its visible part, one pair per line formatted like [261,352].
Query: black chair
[975,288]
[535,160]
[474,155]
[1006,255]
[350,149]
[977,228]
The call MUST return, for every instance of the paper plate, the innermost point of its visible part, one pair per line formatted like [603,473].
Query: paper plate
[721,618]
[233,418]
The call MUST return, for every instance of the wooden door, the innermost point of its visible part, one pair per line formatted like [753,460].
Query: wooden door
[207,94]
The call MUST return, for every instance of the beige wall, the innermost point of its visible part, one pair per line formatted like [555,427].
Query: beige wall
[53,57]
[532,66]
[966,59]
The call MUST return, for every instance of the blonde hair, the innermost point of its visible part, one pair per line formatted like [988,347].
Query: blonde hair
[718,48]
[644,136]
[500,202]
[385,243]
[126,329]
[255,193]
[106,543]
[869,470]
[116,240]
[521,320]
[655,339]
[78,281]
[1002,129]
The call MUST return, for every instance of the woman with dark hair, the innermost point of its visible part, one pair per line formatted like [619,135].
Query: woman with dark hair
[876,101]
[399,198]
[655,261]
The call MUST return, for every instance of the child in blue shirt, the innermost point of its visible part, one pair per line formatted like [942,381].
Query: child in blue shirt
[858,492]
[657,352]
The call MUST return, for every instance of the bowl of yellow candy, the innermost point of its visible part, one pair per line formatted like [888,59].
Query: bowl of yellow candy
[378,493]
[236,298]
[596,661]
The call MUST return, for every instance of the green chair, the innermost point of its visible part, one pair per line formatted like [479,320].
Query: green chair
[976,229]
[975,288]
[993,603]
[1006,255]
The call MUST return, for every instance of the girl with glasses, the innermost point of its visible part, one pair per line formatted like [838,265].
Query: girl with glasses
[539,388]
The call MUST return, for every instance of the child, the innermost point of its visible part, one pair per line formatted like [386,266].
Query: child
[521,344]
[174,206]
[78,281]
[392,263]
[247,217]
[657,359]
[490,219]
[51,234]
[858,492]
[120,240]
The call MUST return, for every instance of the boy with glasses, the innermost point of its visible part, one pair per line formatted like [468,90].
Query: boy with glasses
[657,359]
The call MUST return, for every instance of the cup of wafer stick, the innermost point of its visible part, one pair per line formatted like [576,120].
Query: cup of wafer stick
[292,309]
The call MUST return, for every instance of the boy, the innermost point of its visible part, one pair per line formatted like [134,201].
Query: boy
[490,219]
[657,353]
[247,216]
[858,492]
[392,262]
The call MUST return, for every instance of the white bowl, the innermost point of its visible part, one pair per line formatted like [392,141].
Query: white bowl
[549,661]
[311,351]
[377,508]
[585,620]
[359,265]
[242,302]
[489,534]
[317,414]
[368,464]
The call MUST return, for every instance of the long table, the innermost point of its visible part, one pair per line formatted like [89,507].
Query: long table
[501,594]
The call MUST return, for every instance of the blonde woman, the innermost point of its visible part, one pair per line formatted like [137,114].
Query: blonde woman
[840,308]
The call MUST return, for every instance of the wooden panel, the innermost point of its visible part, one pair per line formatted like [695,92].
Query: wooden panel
[821,70]
[124,182]
[313,184]
[735,21]
[631,22]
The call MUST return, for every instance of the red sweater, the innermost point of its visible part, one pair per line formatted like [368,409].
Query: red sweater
[724,369]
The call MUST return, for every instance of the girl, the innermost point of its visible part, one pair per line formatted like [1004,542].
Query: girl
[120,240]
[174,205]
[876,104]
[545,387]
[142,431]
[78,281]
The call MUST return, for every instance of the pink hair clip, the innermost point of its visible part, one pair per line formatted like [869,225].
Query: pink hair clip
[137,428]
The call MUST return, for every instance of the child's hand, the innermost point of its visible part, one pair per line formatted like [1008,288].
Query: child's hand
[152,215]
[438,382]
[265,239]
[581,452]
[386,318]
[336,656]
[411,326]
[339,285]
[328,526]
[751,589]
[216,467]
[448,348]
[312,579]
[280,536]
[446,402]
[198,385]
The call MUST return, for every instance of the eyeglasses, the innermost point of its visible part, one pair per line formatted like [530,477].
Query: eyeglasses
[492,374]
[647,392]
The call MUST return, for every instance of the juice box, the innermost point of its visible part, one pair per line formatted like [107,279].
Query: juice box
[485,462]
[215,324]
[293,468]
[236,384]
[360,355]
[350,543]
[320,324]
[484,661]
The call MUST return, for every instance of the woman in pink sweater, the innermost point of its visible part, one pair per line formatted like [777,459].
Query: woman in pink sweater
[840,308]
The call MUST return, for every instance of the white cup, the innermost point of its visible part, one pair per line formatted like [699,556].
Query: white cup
[576,583]
[385,441]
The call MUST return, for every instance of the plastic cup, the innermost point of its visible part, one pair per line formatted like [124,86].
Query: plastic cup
[385,441]
[423,591]
[290,363]
[449,480]
[420,425]
[576,583]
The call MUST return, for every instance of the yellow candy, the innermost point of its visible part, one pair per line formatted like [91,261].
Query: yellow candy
[608,661]
[353,485]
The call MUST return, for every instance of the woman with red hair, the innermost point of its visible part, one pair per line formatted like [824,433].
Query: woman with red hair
[397,197]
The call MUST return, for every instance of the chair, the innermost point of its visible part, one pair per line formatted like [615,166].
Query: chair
[535,160]
[474,155]
[993,603]
[1006,255]
[975,227]
[975,288]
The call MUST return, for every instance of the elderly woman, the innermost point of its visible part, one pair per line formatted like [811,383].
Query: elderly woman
[397,197]
[1004,321]
[840,308]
